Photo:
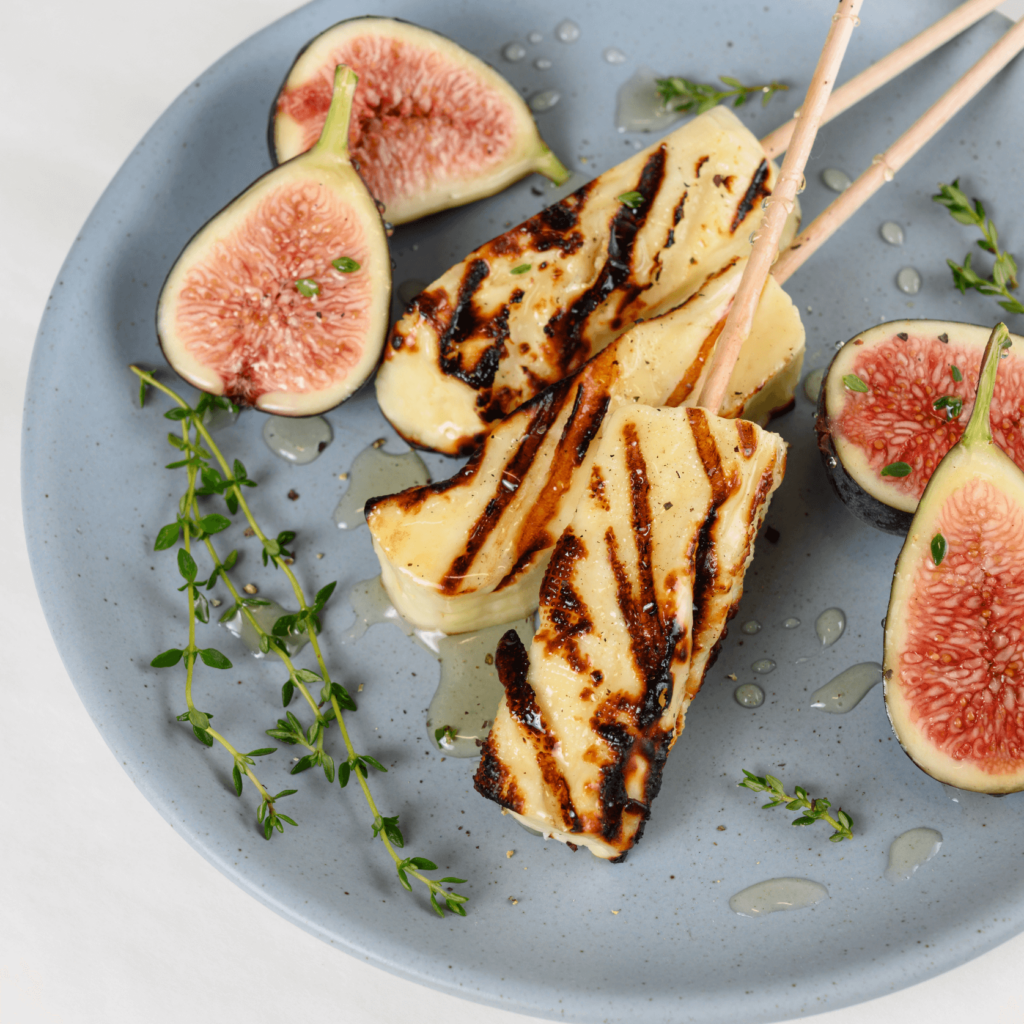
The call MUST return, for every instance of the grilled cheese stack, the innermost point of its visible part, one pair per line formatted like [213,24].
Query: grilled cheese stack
[470,552]
[635,599]
[532,305]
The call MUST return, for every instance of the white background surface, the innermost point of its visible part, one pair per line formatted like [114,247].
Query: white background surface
[105,914]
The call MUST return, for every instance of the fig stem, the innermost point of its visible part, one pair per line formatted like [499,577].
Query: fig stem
[333,139]
[979,429]
[552,168]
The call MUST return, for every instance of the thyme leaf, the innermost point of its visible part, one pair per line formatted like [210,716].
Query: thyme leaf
[1004,270]
[208,474]
[813,810]
[685,96]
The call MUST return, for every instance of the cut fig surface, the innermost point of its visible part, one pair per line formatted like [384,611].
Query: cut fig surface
[281,301]
[954,639]
[899,395]
[432,126]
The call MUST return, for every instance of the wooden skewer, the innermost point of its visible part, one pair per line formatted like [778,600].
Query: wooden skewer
[888,163]
[886,69]
[748,294]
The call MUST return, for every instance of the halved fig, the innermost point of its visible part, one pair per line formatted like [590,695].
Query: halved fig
[281,301]
[432,126]
[954,635]
[895,399]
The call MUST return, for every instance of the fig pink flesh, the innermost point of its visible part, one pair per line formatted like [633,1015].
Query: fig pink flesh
[241,314]
[418,117]
[895,421]
[961,667]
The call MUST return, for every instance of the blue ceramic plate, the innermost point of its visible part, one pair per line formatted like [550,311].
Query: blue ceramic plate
[586,940]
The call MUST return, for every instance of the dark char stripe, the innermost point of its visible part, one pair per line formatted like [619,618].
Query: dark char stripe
[513,665]
[590,407]
[568,616]
[543,410]
[566,327]
[756,191]
[706,559]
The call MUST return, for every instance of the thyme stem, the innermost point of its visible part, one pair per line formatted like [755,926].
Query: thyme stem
[191,524]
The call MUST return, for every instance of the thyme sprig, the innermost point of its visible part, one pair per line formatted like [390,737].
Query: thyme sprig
[1004,269]
[200,452]
[814,810]
[696,97]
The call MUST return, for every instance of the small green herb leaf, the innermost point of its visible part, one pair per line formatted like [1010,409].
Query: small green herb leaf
[1004,269]
[814,810]
[854,383]
[167,659]
[631,199]
[214,523]
[938,548]
[685,96]
[898,469]
[187,565]
[953,404]
[323,595]
[307,286]
[167,537]
[345,265]
[214,658]
[522,268]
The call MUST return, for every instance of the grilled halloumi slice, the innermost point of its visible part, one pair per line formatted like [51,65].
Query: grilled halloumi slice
[533,304]
[633,602]
[470,552]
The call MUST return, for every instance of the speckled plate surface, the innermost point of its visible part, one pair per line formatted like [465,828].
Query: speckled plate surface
[586,940]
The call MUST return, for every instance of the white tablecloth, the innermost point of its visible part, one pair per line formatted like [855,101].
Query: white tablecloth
[107,915]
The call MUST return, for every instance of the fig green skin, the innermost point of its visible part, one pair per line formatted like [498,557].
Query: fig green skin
[863,506]
[539,158]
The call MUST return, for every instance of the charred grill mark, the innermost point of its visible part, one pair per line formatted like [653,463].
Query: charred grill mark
[701,161]
[505,245]
[554,227]
[513,665]
[566,327]
[543,410]
[561,216]
[589,410]
[463,317]
[597,488]
[719,180]
[757,190]
[747,437]
[677,213]
[706,556]
[494,781]
[567,612]
[582,438]
[434,307]
[652,645]
[465,322]
[559,788]
[685,387]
